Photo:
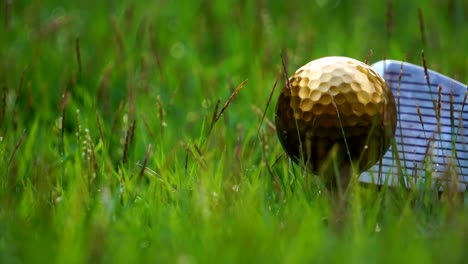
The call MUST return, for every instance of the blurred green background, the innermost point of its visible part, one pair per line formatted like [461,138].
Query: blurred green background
[94,90]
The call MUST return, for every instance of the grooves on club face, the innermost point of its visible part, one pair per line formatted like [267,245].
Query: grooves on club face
[432,129]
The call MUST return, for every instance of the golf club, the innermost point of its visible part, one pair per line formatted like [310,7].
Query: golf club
[432,129]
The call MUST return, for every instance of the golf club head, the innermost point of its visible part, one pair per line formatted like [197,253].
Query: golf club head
[431,141]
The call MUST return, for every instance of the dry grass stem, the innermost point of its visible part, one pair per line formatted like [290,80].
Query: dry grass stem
[198,158]
[16,147]
[101,133]
[162,115]
[155,50]
[439,106]
[268,103]
[147,125]
[389,16]
[228,102]
[4,102]
[145,162]
[418,109]
[78,57]
[421,26]
[116,118]
[128,141]
[368,56]
[426,73]
[118,35]
[267,121]
[284,63]
[20,85]
[216,116]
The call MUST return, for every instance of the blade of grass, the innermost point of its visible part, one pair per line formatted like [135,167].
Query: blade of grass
[274,178]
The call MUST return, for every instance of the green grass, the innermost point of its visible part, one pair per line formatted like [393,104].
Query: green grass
[71,186]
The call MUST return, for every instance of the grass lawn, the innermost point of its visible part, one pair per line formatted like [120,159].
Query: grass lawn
[116,144]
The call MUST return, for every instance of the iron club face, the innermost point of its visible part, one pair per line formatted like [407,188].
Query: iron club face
[431,137]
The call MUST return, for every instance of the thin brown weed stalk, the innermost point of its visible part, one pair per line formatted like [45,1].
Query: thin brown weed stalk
[217,115]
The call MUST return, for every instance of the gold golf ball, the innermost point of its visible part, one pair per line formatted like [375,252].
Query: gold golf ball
[336,103]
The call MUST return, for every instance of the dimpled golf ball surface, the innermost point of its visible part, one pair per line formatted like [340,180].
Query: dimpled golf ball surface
[332,99]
